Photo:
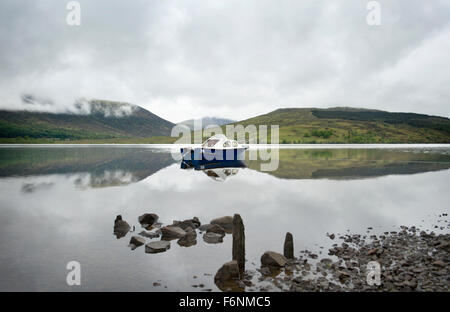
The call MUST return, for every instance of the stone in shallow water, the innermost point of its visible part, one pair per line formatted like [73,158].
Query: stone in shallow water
[121,227]
[239,242]
[225,222]
[136,241]
[271,258]
[148,219]
[228,271]
[194,223]
[215,228]
[149,234]
[155,247]
[172,232]
[212,238]
[204,227]
[190,239]
[326,261]
[289,246]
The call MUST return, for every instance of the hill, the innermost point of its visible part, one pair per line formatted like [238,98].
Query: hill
[104,120]
[350,125]
[114,122]
[207,121]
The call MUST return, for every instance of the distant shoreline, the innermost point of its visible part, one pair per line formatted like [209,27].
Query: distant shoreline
[252,146]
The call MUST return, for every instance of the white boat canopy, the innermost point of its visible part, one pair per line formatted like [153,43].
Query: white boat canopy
[220,141]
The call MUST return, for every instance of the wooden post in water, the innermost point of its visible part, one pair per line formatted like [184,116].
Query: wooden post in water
[289,246]
[239,243]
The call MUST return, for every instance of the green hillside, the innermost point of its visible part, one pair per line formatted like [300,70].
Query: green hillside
[347,125]
[113,122]
[106,120]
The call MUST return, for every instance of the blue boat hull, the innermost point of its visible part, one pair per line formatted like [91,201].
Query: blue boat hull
[201,156]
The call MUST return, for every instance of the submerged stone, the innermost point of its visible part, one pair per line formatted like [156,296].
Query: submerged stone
[172,232]
[155,247]
[136,241]
[212,238]
[225,222]
[215,228]
[149,234]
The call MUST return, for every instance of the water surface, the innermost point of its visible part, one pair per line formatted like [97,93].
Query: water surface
[58,204]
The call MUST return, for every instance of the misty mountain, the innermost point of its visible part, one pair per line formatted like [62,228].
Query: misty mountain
[353,125]
[96,119]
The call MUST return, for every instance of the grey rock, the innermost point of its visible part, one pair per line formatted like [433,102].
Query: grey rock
[228,271]
[204,227]
[238,248]
[149,234]
[288,249]
[148,219]
[271,258]
[190,239]
[156,247]
[193,223]
[121,227]
[212,238]
[439,263]
[136,241]
[172,232]
[225,222]
[265,271]
[215,228]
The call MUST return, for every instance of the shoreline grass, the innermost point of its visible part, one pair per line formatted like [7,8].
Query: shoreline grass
[172,140]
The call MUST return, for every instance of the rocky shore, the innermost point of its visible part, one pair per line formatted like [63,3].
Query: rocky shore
[409,260]
[405,260]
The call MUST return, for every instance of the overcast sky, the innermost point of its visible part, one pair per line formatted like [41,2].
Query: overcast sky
[233,59]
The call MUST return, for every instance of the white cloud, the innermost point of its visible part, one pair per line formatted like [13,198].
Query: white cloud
[235,59]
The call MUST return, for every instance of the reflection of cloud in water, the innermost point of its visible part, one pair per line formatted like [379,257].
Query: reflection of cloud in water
[105,179]
[83,180]
[32,256]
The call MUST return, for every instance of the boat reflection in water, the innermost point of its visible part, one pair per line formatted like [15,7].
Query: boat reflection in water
[216,170]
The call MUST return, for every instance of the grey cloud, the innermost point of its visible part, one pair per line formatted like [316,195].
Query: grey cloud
[235,59]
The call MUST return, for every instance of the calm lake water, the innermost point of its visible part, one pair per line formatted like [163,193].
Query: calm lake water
[58,204]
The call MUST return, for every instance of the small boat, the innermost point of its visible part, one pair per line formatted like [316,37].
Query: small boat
[217,148]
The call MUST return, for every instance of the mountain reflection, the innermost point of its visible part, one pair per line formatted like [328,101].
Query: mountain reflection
[97,167]
[89,166]
[349,164]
